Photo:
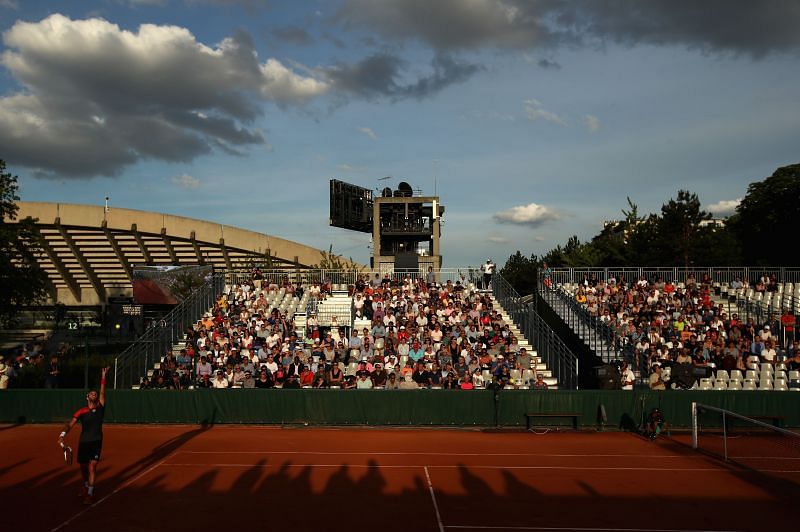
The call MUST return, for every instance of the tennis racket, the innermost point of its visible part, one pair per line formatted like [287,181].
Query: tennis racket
[67,453]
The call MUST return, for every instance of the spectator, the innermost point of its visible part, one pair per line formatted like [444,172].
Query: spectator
[220,381]
[392,382]
[5,370]
[408,383]
[627,377]
[656,382]
[264,380]
[539,383]
[364,382]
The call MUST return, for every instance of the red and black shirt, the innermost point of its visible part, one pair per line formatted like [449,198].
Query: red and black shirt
[91,422]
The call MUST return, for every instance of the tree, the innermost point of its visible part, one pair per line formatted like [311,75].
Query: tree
[520,272]
[22,280]
[766,219]
[680,228]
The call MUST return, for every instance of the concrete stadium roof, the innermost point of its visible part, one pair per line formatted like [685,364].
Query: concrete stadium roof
[89,253]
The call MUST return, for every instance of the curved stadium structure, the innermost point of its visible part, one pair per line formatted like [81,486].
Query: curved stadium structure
[90,252]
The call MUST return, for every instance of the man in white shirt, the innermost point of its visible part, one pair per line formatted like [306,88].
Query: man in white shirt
[488,270]
[627,377]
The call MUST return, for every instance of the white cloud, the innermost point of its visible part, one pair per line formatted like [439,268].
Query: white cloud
[724,208]
[534,111]
[117,96]
[498,240]
[592,123]
[9,4]
[345,167]
[186,181]
[368,132]
[532,215]
[538,238]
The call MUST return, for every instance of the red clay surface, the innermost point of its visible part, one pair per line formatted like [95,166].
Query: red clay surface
[264,478]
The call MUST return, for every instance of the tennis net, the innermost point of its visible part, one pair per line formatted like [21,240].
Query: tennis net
[751,443]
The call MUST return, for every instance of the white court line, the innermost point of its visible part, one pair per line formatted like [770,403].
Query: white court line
[581,529]
[425,453]
[433,498]
[470,466]
[118,489]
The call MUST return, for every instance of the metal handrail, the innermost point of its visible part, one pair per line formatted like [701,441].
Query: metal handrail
[132,364]
[549,346]
[602,339]
[783,274]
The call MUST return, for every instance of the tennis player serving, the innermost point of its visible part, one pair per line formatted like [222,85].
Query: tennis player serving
[91,440]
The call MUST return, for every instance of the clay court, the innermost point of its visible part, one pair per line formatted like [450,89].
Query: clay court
[266,478]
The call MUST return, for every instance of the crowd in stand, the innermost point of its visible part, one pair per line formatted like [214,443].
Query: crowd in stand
[665,324]
[32,365]
[421,335]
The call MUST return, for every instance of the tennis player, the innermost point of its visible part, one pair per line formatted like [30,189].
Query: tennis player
[91,441]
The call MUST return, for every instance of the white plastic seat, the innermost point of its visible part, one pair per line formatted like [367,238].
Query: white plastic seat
[766,366]
[780,375]
[735,385]
[751,374]
[705,384]
[720,384]
[765,384]
[379,342]
[516,376]
[749,384]
[794,375]
[781,385]
[487,376]
[527,376]
[722,375]
[736,375]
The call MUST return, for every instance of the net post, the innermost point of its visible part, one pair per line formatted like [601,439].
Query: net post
[694,425]
[725,436]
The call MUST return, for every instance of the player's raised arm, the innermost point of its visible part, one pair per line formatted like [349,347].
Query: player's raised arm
[103,374]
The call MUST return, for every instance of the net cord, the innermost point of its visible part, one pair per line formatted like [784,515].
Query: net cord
[697,407]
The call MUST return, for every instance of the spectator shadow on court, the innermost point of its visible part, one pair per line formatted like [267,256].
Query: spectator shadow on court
[272,492]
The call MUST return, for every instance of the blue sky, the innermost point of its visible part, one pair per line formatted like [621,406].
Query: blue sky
[533,119]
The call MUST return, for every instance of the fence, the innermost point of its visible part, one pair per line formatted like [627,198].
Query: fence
[547,343]
[132,364]
[679,274]
[345,278]
[623,409]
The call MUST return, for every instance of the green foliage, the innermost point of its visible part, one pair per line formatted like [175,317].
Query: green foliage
[521,272]
[759,234]
[22,281]
[766,219]
[331,261]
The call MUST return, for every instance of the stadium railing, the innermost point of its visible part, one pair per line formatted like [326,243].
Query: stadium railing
[551,349]
[132,364]
[677,273]
[600,338]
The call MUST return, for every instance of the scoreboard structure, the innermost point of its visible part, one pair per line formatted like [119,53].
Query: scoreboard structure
[406,229]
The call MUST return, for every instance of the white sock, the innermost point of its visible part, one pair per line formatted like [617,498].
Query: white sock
[91,491]
[86,484]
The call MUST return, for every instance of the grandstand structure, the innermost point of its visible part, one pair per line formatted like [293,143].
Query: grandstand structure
[733,290]
[90,252]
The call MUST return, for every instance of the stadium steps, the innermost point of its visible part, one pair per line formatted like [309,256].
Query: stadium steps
[541,367]
[599,346]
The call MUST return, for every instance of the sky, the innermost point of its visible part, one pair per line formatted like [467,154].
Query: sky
[533,120]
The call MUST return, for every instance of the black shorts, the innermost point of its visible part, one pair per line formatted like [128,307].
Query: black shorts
[88,451]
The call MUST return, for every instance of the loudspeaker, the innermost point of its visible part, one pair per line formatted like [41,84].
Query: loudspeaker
[608,377]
